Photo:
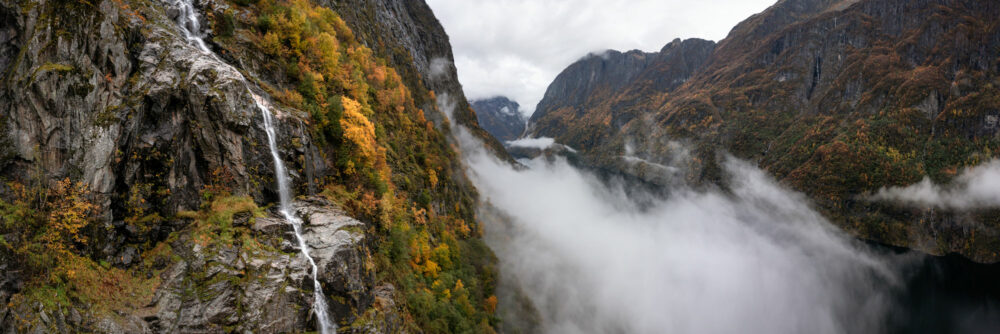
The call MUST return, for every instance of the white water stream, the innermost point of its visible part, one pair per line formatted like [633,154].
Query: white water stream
[188,20]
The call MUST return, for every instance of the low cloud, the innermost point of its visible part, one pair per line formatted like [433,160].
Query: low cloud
[439,68]
[582,255]
[757,260]
[539,143]
[976,187]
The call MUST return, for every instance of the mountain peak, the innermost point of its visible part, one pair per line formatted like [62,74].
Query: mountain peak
[500,116]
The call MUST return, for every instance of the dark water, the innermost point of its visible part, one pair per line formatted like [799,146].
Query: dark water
[947,294]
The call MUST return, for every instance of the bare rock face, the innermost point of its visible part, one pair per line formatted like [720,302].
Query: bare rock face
[268,288]
[593,87]
[501,117]
[96,95]
[262,286]
[335,242]
[603,74]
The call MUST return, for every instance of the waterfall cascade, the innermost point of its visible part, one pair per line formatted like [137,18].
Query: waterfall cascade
[188,21]
[284,195]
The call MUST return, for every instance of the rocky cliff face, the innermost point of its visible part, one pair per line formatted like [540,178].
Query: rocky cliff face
[92,96]
[258,286]
[500,117]
[137,173]
[836,98]
[407,34]
[593,78]
[586,94]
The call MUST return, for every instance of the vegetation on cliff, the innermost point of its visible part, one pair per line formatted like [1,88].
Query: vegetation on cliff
[384,162]
[393,168]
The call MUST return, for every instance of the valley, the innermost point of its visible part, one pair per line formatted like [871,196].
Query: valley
[289,166]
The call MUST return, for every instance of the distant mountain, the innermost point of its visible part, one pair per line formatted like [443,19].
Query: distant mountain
[835,98]
[501,117]
[590,89]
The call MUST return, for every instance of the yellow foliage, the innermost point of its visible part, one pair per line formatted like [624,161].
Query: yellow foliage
[442,255]
[432,177]
[358,129]
[271,44]
[378,75]
[387,206]
[105,289]
[289,97]
[431,269]
[419,215]
[463,228]
[69,213]
[326,52]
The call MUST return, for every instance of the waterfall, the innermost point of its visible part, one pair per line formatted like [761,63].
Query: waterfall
[188,21]
[284,195]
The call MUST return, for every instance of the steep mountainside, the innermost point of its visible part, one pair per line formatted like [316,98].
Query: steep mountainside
[835,98]
[407,34]
[139,188]
[500,117]
[579,103]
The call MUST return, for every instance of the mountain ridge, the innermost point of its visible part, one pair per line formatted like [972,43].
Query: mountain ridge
[833,98]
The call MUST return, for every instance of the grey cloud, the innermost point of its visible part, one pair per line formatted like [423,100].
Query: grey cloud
[517,47]
[439,67]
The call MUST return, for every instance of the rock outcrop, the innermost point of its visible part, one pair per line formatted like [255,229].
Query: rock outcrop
[263,287]
[501,117]
[253,286]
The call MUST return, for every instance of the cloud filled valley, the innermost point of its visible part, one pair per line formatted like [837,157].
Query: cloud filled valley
[704,262]
[597,255]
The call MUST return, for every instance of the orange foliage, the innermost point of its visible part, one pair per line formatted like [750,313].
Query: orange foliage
[491,304]
[69,213]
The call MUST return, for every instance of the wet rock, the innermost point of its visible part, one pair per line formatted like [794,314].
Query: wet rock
[271,225]
[125,105]
[257,289]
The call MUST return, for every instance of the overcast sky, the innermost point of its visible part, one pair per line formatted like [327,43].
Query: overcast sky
[517,47]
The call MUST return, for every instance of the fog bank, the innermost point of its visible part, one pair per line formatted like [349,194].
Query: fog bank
[582,255]
[756,260]
[976,187]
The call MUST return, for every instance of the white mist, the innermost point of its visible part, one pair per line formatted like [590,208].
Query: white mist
[753,259]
